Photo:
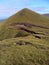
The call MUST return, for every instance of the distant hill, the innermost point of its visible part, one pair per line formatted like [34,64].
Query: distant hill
[46,15]
[2,20]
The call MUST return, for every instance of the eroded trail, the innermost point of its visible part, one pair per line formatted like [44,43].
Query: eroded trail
[30,25]
[26,27]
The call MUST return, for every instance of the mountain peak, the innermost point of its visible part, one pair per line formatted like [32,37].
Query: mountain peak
[23,19]
[25,10]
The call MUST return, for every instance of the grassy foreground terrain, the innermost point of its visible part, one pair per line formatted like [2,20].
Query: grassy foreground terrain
[29,52]
[24,39]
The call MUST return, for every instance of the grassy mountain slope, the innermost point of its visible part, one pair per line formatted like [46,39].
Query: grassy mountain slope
[23,19]
[24,39]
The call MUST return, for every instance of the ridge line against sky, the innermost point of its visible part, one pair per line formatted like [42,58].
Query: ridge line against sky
[9,7]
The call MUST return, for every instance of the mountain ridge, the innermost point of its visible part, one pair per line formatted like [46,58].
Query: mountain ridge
[24,39]
[23,19]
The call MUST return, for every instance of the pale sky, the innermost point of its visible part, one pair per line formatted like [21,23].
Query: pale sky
[9,7]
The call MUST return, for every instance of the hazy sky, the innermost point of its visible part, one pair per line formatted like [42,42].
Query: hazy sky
[9,7]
